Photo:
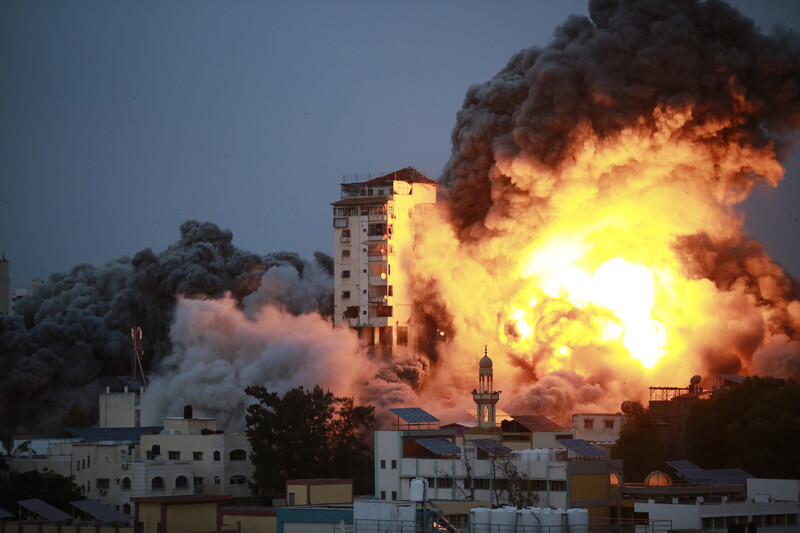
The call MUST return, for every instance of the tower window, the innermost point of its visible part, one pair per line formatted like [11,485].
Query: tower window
[345,273]
[345,295]
[345,253]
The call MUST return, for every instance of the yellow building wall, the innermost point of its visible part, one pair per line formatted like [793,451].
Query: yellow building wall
[249,523]
[190,518]
[341,493]
[300,491]
[589,487]
[149,514]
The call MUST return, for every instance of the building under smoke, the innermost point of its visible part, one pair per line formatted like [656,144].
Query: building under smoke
[374,232]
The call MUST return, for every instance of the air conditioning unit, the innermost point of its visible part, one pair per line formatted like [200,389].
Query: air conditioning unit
[103,491]
[125,466]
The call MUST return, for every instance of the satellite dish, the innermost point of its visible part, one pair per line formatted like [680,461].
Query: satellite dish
[696,380]
[627,407]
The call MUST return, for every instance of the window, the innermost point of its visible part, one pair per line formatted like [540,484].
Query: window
[216,456]
[377,269]
[394,495]
[103,483]
[126,508]
[339,222]
[217,481]
[609,424]
[197,456]
[345,273]
[376,229]
[157,483]
[481,483]
[198,481]
[238,455]
[662,420]
[345,295]
[394,464]
[88,460]
[126,483]
[383,464]
[174,456]
[383,495]
[351,312]
[539,485]
[345,253]
[181,482]
[588,423]
[238,480]
[444,483]
[78,466]
[558,485]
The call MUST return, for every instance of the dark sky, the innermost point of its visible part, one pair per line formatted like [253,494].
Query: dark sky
[121,120]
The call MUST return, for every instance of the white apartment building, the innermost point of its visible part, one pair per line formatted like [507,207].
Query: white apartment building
[374,227]
[772,505]
[113,464]
[463,463]
[460,472]
[597,427]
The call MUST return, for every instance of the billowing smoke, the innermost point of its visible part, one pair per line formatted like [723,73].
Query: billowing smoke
[607,167]
[72,336]
[588,235]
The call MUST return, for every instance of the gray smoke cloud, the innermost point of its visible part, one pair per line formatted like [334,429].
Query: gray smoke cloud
[72,337]
[531,153]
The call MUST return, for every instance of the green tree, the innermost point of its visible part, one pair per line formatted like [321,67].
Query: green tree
[55,489]
[308,434]
[752,426]
[640,446]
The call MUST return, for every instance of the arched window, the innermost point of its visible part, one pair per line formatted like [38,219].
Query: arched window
[238,480]
[157,483]
[126,483]
[181,482]
[238,455]
[216,480]
[126,508]
[216,455]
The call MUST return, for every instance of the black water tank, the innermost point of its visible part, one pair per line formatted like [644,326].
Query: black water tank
[187,412]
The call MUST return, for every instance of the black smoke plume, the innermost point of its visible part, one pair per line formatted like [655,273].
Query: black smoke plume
[72,336]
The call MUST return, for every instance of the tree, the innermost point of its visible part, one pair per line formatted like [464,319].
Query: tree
[752,426]
[515,485]
[640,445]
[308,434]
[55,489]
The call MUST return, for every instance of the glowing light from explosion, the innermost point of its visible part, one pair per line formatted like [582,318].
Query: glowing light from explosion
[623,288]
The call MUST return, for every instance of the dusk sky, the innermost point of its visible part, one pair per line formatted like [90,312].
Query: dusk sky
[121,120]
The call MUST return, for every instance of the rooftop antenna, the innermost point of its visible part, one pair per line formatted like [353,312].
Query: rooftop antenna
[138,352]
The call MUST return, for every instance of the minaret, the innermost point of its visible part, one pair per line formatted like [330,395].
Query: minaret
[485,397]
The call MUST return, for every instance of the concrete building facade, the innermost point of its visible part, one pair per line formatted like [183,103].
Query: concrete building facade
[374,227]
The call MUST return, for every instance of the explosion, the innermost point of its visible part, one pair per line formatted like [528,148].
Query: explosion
[592,193]
[587,231]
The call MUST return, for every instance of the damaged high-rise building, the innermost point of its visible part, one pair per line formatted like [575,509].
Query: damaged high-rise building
[374,228]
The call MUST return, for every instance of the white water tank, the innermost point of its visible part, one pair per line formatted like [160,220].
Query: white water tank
[530,520]
[479,520]
[553,520]
[578,520]
[504,519]
[418,489]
